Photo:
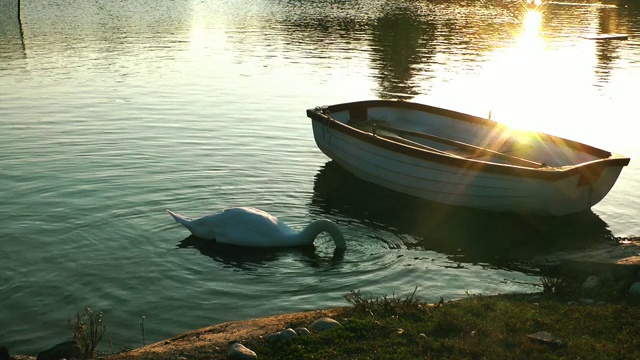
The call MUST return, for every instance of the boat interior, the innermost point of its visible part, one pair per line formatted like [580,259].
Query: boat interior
[468,137]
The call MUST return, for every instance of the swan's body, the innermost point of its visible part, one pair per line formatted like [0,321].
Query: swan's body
[245,226]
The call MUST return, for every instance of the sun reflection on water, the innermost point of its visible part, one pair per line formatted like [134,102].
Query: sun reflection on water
[520,73]
[532,22]
[528,49]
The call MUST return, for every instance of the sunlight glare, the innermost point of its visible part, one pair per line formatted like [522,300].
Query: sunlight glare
[531,24]
[517,71]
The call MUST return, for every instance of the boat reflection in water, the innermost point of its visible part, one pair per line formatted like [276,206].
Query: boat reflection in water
[470,235]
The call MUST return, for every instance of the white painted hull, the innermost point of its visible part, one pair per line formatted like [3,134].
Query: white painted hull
[467,182]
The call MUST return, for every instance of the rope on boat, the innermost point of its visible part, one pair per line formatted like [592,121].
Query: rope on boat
[326,130]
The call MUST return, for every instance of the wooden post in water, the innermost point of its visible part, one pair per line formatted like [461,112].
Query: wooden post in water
[9,9]
[20,25]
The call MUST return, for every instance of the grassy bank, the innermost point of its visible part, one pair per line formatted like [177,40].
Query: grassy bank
[601,323]
[477,327]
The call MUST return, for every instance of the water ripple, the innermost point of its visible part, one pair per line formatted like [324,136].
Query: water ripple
[112,112]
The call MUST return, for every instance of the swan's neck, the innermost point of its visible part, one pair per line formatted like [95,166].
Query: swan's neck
[309,234]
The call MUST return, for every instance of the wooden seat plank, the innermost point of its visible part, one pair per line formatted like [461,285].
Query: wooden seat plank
[476,150]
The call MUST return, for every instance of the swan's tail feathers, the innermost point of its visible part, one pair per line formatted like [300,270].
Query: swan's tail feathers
[180,219]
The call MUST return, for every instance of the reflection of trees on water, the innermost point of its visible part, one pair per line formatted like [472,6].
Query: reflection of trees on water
[606,50]
[579,19]
[614,20]
[11,36]
[400,42]
[397,38]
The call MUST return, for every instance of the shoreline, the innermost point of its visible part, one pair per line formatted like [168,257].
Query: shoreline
[214,340]
[620,260]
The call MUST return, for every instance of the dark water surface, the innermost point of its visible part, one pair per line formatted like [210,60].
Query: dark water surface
[112,111]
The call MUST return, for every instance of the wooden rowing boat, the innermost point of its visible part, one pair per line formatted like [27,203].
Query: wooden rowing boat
[463,160]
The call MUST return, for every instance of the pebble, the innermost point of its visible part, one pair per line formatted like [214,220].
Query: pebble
[285,334]
[592,283]
[63,350]
[237,351]
[323,324]
[4,353]
[302,331]
[634,290]
[547,338]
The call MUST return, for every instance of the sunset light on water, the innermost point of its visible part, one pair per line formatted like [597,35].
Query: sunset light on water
[113,111]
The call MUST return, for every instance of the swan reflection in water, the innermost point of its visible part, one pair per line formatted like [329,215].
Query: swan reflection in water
[468,235]
[251,258]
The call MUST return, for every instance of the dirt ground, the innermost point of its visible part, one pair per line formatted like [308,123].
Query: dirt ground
[212,342]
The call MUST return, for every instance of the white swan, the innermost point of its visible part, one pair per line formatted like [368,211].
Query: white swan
[245,226]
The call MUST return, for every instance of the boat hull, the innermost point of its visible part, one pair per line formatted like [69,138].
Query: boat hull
[449,179]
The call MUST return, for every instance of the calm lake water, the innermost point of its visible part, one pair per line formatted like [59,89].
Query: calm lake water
[112,111]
